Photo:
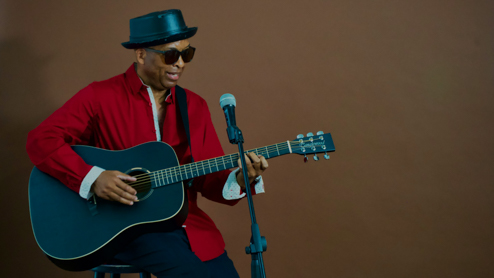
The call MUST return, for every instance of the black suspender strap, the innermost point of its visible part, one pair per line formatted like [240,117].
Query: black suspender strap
[182,106]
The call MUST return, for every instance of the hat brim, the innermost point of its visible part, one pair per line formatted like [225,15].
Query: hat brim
[169,38]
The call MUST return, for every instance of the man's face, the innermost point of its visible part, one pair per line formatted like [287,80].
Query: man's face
[156,73]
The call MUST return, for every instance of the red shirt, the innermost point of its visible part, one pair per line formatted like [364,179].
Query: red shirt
[117,114]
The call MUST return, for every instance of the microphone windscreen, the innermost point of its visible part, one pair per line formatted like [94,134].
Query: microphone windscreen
[227,99]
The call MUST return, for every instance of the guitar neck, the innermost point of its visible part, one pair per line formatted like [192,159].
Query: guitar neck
[200,168]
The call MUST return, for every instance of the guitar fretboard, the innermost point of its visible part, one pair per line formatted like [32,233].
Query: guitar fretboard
[200,168]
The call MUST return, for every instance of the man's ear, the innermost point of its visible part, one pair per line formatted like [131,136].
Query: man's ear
[140,55]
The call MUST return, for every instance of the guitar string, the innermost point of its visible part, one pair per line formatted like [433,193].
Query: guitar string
[215,161]
[177,174]
[222,158]
[269,146]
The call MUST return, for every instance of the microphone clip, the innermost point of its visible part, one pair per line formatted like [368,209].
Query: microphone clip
[234,134]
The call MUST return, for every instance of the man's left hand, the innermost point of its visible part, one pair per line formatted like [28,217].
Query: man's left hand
[256,165]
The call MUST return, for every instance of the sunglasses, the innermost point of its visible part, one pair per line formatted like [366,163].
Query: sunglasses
[171,56]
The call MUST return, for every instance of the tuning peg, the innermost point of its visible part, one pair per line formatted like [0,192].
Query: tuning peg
[300,136]
[320,133]
[310,134]
[305,158]
[316,158]
[326,156]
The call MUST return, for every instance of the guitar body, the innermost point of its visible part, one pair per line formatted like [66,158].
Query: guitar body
[77,234]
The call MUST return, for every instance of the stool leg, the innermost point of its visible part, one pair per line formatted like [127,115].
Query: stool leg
[145,275]
[99,274]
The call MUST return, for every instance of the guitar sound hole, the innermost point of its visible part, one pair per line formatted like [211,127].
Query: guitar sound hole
[143,183]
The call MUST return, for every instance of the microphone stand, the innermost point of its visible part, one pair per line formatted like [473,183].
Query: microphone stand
[258,243]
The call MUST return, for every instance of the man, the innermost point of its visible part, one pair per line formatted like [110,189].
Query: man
[137,107]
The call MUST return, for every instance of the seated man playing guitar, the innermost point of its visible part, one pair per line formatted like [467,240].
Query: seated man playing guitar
[133,108]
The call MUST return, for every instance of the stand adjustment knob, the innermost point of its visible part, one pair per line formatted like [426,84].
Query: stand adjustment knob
[252,248]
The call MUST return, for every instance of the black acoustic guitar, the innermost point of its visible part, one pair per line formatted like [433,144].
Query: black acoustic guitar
[78,234]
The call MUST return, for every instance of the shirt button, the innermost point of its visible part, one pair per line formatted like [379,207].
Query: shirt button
[150,104]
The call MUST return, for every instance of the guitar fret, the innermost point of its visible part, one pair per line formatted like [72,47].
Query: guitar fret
[166,175]
[267,153]
[185,170]
[155,181]
[160,182]
[153,176]
[277,149]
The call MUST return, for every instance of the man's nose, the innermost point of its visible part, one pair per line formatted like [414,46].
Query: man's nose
[179,63]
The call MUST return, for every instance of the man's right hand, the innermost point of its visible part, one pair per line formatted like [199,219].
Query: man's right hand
[110,186]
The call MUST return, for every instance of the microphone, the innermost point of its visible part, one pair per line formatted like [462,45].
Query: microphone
[228,103]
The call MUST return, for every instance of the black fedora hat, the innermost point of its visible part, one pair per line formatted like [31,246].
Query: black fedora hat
[158,28]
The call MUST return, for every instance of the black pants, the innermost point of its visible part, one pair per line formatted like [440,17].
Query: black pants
[170,255]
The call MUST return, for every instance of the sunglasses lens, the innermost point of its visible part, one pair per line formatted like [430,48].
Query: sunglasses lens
[171,56]
[188,54]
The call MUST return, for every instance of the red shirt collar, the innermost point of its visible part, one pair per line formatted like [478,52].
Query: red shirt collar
[136,83]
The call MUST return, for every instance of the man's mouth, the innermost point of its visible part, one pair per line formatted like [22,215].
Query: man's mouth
[173,76]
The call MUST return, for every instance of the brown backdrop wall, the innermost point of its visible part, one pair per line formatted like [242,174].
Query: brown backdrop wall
[405,87]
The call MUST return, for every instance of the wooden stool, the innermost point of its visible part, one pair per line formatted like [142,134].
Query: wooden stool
[116,270]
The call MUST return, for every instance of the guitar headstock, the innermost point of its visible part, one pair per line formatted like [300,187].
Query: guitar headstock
[313,144]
